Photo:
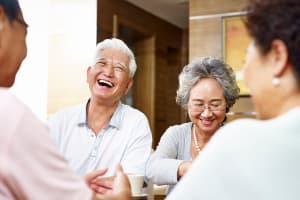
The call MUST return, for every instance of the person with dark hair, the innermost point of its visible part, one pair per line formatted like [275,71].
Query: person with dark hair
[13,47]
[258,158]
[207,90]
[30,167]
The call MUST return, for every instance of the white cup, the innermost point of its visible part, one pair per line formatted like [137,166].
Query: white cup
[136,182]
[148,190]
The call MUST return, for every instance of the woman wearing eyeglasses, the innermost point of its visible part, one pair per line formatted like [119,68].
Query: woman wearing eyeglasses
[207,89]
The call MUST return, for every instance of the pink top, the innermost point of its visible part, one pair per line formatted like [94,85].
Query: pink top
[30,167]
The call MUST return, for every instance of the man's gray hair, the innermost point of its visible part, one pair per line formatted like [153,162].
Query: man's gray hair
[207,67]
[117,44]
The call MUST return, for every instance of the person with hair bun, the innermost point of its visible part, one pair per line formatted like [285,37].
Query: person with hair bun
[258,158]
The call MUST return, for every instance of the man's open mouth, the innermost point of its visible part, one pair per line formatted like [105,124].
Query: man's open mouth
[105,83]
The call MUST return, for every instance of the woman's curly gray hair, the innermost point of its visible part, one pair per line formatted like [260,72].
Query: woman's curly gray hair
[203,68]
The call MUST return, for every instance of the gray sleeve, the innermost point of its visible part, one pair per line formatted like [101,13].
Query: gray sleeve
[163,163]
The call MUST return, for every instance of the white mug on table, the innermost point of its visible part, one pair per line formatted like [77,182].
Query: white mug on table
[136,182]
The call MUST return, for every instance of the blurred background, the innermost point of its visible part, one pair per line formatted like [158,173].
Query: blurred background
[164,35]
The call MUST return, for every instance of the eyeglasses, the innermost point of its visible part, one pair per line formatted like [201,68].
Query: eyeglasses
[200,107]
[117,67]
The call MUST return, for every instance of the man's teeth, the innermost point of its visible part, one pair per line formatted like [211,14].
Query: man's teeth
[105,83]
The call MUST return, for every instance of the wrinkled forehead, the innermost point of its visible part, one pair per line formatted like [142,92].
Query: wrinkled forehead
[113,54]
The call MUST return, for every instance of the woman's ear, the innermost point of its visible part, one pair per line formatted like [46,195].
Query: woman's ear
[2,22]
[279,52]
[2,17]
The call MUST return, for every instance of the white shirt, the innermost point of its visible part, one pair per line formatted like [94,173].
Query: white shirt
[247,159]
[30,166]
[126,139]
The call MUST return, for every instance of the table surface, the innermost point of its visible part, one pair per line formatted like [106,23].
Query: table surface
[156,197]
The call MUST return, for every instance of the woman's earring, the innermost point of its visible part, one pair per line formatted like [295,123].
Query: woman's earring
[276,81]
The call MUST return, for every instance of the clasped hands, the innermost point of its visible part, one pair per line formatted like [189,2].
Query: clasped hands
[109,188]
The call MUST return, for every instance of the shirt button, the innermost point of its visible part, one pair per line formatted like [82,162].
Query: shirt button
[94,153]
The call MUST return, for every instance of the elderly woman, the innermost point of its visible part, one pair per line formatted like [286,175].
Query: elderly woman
[207,89]
[258,159]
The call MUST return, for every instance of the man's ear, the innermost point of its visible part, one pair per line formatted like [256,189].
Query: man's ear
[87,73]
[279,53]
[129,85]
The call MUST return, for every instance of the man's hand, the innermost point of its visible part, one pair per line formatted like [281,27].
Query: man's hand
[103,185]
[91,177]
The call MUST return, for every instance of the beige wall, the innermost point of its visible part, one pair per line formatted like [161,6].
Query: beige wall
[161,52]
[31,81]
[205,36]
[206,33]
[71,47]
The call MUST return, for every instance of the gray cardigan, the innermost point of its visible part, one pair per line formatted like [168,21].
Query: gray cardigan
[172,150]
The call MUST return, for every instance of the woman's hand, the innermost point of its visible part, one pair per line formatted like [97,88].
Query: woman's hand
[183,168]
